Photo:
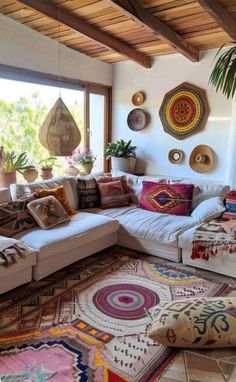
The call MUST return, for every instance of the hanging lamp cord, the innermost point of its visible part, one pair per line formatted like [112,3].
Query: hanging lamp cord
[59,52]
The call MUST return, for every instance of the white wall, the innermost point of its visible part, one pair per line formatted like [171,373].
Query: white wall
[23,47]
[153,144]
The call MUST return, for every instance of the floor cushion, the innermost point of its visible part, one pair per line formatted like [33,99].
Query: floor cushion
[195,323]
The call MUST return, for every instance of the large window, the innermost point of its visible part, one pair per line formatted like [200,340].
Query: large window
[25,102]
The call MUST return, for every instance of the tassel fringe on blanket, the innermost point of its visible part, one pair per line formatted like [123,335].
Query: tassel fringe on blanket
[210,240]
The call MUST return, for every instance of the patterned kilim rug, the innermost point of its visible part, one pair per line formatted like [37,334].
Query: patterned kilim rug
[87,323]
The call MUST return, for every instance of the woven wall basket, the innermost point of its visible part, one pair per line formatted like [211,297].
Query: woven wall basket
[59,133]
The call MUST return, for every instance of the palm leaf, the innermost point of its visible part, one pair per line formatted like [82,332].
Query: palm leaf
[223,76]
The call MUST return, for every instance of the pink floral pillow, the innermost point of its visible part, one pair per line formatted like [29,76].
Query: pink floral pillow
[174,199]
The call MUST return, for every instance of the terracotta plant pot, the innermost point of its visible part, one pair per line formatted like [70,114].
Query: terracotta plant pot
[46,173]
[7,178]
[86,168]
[72,171]
[30,175]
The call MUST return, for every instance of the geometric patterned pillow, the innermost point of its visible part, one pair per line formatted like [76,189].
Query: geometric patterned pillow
[112,194]
[109,178]
[230,201]
[88,193]
[60,195]
[196,323]
[174,199]
[15,217]
[48,212]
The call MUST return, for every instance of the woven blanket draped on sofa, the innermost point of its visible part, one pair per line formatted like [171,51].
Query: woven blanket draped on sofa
[210,240]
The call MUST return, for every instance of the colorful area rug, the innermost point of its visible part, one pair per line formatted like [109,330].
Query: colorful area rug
[87,323]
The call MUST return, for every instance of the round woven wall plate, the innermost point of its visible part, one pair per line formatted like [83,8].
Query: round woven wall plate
[138,98]
[136,119]
[184,110]
[176,156]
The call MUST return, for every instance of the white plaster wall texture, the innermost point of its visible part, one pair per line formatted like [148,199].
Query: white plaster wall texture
[23,47]
[153,144]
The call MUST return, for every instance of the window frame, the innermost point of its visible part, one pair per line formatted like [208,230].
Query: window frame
[31,76]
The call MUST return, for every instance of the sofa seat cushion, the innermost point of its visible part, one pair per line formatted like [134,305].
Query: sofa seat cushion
[83,228]
[162,228]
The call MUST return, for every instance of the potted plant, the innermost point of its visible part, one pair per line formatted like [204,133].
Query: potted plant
[122,155]
[84,158]
[47,166]
[10,162]
[223,76]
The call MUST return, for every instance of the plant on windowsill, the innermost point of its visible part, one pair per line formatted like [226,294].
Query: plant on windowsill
[84,158]
[10,162]
[223,76]
[47,165]
[122,155]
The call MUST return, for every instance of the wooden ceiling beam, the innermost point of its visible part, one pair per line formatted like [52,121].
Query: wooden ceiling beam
[151,23]
[81,26]
[221,15]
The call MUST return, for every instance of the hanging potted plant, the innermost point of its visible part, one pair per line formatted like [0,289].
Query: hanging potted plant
[223,76]
[9,164]
[47,167]
[122,155]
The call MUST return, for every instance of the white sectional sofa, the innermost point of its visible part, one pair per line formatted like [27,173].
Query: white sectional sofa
[92,230]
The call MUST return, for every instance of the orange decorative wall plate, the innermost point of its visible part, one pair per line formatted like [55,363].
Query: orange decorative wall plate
[184,110]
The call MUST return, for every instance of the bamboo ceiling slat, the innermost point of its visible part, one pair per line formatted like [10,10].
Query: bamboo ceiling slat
[185,17]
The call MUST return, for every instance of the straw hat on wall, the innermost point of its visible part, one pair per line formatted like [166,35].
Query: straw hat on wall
[201,158]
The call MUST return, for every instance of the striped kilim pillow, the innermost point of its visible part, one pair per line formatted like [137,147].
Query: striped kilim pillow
[230,201]
[112,194]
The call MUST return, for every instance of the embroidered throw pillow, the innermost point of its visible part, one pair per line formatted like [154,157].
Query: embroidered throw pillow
[174,199]
[60,195]
[108,178]
[230,202]
[195,323]
[89,196]
[48,212]
[112,194]
[15,217]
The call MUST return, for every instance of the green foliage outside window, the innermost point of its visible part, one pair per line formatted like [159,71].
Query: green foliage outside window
[20,122]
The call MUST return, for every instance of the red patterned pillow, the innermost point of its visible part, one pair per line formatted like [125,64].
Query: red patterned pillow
[108,178]
[174,199]
[112,194]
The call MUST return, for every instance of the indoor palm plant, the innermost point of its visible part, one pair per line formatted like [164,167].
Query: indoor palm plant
[122,155]
[223,76]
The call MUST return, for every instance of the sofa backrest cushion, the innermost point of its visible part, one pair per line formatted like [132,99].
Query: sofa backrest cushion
[70,186]
[203,189]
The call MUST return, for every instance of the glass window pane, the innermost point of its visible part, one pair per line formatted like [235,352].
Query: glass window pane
[97,127]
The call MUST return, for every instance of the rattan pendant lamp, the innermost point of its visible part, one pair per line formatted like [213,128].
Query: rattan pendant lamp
[59,133]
